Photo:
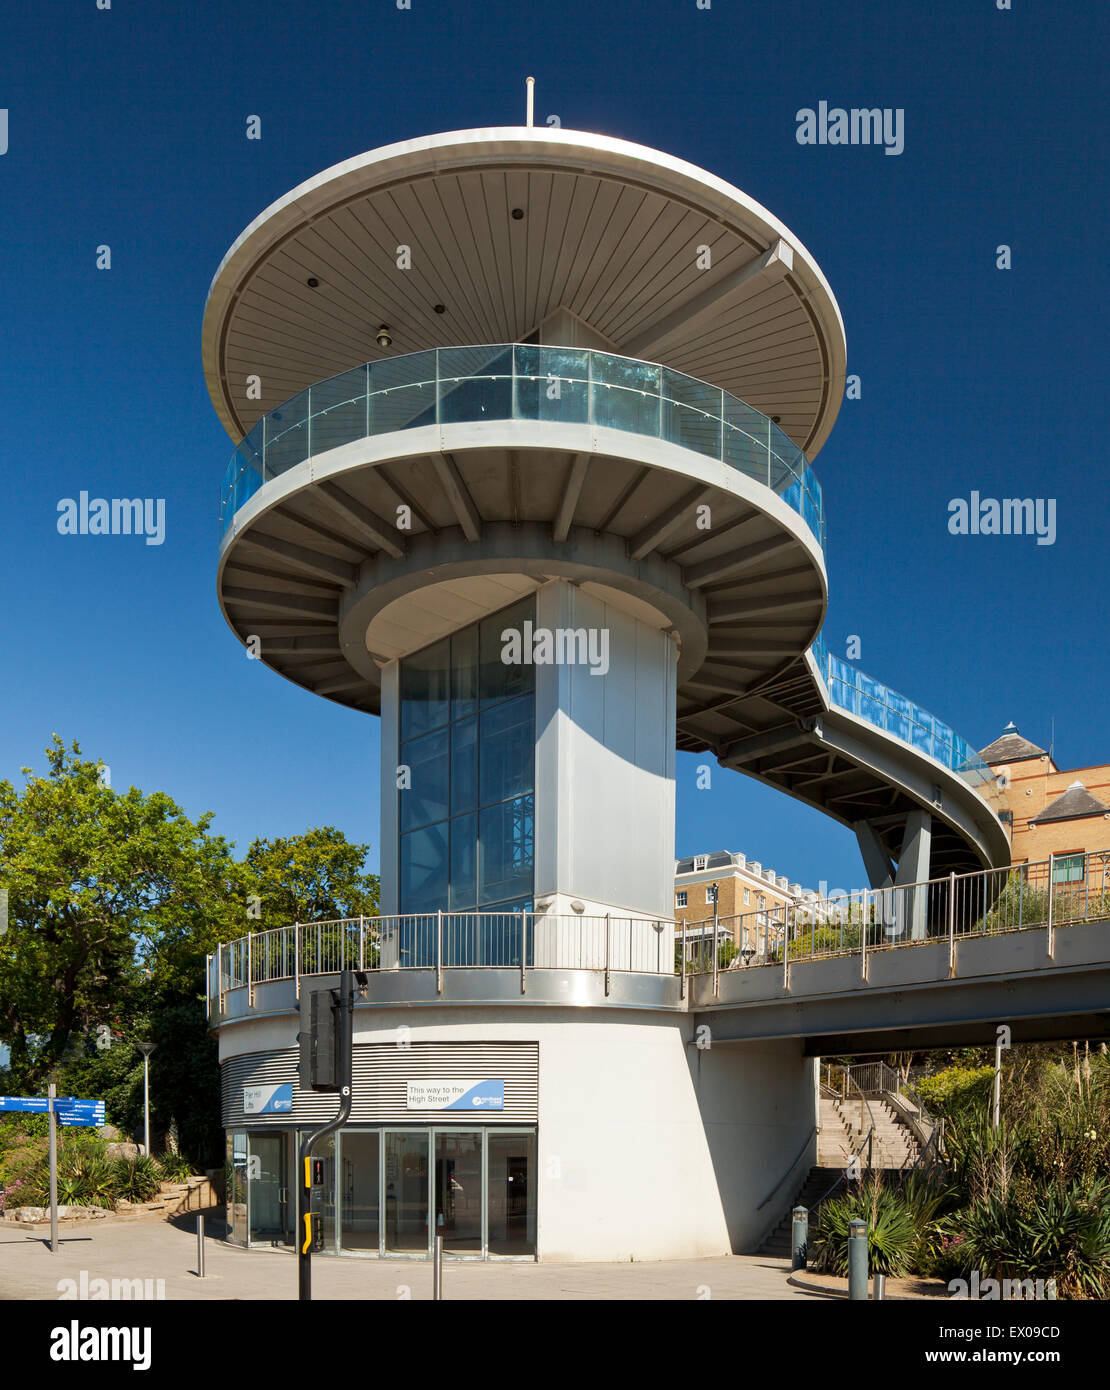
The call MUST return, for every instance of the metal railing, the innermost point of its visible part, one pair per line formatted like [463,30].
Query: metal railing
[519,381]
[1055,894]
[439,941]
[1058,892]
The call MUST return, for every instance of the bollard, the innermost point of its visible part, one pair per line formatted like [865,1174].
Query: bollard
[878,1287]
[200,1247]
[799,1238]
[437,1272]
[857,1260]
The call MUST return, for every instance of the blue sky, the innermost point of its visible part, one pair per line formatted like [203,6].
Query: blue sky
[127,127]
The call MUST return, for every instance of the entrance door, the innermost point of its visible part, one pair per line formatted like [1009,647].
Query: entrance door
[512,1193]
[359,1225]
[406,1192]
[458,1191]
[269,1192]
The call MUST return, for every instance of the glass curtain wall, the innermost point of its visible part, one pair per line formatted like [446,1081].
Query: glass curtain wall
[466,816]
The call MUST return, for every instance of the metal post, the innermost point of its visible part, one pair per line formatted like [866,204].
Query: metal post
[51,1092]
[997,1099]
[439,950]
[200,1247]
[523,950]
[683,966]
[1051,875]
[951,924]
[863,935]
[786,948]
[250,970]
[716,948]
[146,1103]
[857,1260]
[879,1285]
[607,954]
[799,1238]
[361,942]
[437,1269]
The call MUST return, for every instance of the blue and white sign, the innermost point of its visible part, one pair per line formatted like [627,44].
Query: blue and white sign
[455,1095]
[268,1100]
[69,1110]
[80,1112]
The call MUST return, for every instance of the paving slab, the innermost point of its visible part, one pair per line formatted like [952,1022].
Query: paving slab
[129,1250]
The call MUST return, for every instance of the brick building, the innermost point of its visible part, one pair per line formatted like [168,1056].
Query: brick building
[744,889]
[1049,810]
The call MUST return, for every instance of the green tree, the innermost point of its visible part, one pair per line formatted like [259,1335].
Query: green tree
[110,894]
[317,876]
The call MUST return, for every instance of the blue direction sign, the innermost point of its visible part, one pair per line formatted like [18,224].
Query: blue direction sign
[69,1110]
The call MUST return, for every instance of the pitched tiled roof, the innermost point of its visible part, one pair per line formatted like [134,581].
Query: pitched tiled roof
[1010,747]
[1075,803]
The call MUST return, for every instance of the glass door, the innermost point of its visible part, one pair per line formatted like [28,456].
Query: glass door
[512,1193]
[458,1191]
[267,1166]
[406,1192]
[359,1225]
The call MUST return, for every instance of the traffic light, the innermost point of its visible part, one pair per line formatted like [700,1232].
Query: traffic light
[322,1051]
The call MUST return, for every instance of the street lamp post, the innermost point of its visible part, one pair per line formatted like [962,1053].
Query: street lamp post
[146,1048]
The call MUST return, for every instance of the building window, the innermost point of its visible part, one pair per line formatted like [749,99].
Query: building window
[747,896]
[700,862]
[468,739]
[763,900]
[680,899]
[1069,868]
[711,893]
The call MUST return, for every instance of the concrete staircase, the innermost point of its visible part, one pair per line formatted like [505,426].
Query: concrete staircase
[894,1145]
[817,1183]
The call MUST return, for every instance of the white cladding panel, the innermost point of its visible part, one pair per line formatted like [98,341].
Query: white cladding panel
[605,761]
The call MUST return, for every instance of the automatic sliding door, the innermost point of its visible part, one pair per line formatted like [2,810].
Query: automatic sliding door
[458,1190]
[268,1178]
[406,1192]
[359,1224]
[512,1193]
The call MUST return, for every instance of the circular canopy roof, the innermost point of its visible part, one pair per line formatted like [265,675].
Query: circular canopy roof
[611,231]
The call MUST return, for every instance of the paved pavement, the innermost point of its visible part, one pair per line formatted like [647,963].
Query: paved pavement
[120,1249]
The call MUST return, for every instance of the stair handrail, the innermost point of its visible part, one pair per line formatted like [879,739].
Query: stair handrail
[798,1157]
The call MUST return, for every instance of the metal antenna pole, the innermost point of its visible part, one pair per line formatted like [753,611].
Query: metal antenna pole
[531,84]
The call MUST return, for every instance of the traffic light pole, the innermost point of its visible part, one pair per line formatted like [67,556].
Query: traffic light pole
[305,1214]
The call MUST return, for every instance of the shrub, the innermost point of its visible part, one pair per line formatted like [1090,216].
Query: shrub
[1064,1234]
[175,1167]
[892,1230]
[136,1179]
[957,1092]
[85,1177]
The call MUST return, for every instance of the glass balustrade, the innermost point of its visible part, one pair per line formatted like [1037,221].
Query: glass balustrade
[850,689]
[517,381]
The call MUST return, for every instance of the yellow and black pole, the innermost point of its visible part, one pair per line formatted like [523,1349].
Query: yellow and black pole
[310,1171]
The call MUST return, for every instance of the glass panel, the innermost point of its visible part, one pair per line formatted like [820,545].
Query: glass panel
[745,439]
[287,435]
[464,766]
[403,392]
[235,1173]
[464,673]
[464,865]
[424,871]
[406,1192]
[625,395]
[268,1177]
[499,680]
[424,690]
[511,1184]
[475,384]
[508,750]
[551,384]
[505,850]
[358,1154]
[338,410]
[692,413]
[458,1191]
[425,799]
